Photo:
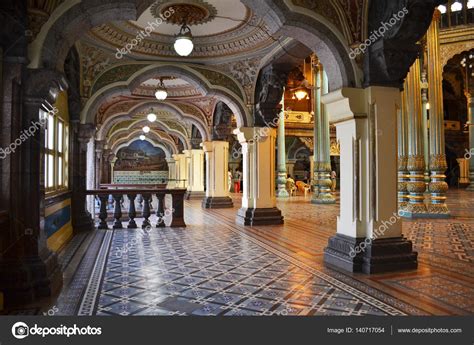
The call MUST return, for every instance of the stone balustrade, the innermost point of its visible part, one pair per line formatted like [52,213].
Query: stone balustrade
[139,202]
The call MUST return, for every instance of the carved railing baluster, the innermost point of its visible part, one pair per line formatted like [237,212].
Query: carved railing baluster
[131,211]
[115,197]
[146,210]
[160,213]
[103,211]
[118,211]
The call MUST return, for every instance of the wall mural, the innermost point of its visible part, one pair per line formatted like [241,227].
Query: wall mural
[141,156]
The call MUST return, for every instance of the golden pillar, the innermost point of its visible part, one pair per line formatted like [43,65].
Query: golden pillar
[416,162]
[437,187]
[403,177]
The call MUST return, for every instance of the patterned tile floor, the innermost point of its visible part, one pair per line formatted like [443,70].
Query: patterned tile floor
[215,267]
[182,272]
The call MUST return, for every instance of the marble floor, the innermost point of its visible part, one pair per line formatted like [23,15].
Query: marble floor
[215,267]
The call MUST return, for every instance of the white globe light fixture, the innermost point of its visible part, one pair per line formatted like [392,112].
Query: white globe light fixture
[161,94]
[456,7]
[142,137]
[442,9]
[146,129]
[151,117]
[183,44]
[470,4]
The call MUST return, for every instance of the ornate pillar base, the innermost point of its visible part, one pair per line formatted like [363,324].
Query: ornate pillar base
[282,193]
[369,233]
[324,183]
[26,280]
[323,200]
[414,211]
[192,195]
[217,202]
[379,256]
[259,216]
[438,188]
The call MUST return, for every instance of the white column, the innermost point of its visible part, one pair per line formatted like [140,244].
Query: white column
[258,198]
[217,158]
[171,173]
[369,236]
[112,166]
[281,166]
[196,173]
[181,170]
[90,179]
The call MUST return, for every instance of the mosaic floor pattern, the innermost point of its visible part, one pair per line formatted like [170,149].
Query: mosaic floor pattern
[181,272]
[215,267]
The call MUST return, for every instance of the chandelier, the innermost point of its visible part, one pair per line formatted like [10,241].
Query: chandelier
[183,44]
[161,94]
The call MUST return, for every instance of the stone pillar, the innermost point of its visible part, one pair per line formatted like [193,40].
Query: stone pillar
[217,193]
[281,166]
[105,171]
[416,207]
[99,150]
[171,173]
[258,198]
[369,234]
[317,80]
[81,218]
[290,166]
[187,167]
[196,174]
[403,176]
[438,187]
[323,159]
[463,171]
[90,175]
[470,112]
[112,168]
[426,140]
[181,171]
[28,269]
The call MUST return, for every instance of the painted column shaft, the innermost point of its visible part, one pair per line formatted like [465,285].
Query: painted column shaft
[416,161]
[470,108]
[437,187]
[281,166]
[317,124]
[403,176]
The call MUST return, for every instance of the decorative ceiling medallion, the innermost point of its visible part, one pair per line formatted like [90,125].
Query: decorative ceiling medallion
[191,12]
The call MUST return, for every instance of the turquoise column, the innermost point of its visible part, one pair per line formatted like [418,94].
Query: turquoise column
[323,163]
[281,164]
[316,73]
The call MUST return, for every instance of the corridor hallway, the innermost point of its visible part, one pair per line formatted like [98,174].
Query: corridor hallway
[216,267]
